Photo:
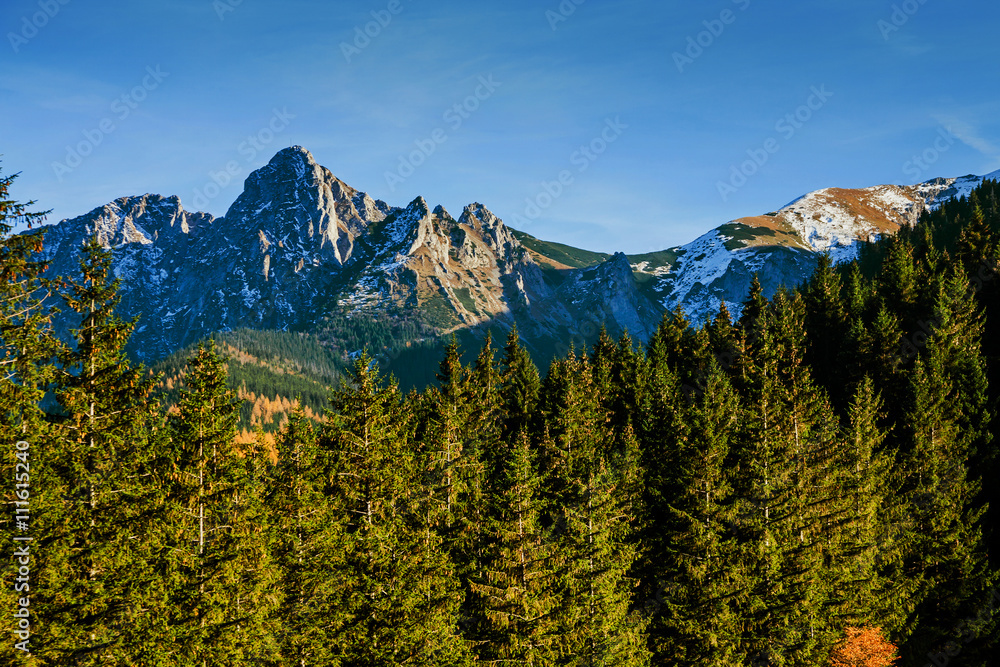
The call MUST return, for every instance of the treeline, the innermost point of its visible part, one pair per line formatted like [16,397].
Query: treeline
[803,486]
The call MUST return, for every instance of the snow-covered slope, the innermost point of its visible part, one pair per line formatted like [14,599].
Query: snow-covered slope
[939,190]
[782,247]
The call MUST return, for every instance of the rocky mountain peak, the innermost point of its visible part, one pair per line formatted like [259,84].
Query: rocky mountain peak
[143,219]
[442,213]
[497,236]
[295,201]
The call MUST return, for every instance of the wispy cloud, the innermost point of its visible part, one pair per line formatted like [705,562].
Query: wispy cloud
[971,136]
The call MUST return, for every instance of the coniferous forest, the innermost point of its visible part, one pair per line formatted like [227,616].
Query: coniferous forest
[812,483]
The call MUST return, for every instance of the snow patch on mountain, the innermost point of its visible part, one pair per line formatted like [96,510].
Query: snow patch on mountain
[939,190]
[838,221]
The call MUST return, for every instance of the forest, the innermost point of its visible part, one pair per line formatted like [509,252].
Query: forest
[812,483]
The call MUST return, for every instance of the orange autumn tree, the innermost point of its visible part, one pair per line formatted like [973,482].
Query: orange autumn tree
[864,647]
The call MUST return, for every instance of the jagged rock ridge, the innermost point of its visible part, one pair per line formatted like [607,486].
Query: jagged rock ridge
[299,241]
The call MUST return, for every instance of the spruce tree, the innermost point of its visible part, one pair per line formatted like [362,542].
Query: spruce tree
[519,387]
[596,623]
[661,398]
[788,497]
[26,338]
[307,548]
[453,469]
[699,568]
[945,554]
[218,551]
[826,321]
[95,561]
[403,594]
[516,593]
[899,280]
[27,347]
[867,560]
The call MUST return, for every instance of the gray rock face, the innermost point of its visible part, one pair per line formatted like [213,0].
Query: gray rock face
[608,294]
[265,264]
[774,266]
[299,240]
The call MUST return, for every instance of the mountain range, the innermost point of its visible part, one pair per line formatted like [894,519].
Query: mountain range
[299,246]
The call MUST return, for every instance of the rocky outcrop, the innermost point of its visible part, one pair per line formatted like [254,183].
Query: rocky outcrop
[608,295]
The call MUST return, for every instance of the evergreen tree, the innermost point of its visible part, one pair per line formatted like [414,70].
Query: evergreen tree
[722,338]
[454,470]
[596,624]
[788,495]
[976,242]
[516,593]
[25,318]
[867,557]
[944,554]
[307,548]
[672,346]
[858,292]
[403,594]
[899,280]
[826,321]
[217,547]
[657,419]
[699,569]
[26,370]
[628,384]
[95,561]
[485,405]
[519,387]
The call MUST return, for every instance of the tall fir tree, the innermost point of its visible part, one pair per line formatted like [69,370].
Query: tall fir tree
[519,387]
[826,321]
[403,593]
[947,421]
[453,466]
[31,495]
[516,592]
[307,548]
[96,561]
[867,560]
[217,555]
[699,570]
[597,625]
[788,495]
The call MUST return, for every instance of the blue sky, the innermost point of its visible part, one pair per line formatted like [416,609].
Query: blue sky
[667,98]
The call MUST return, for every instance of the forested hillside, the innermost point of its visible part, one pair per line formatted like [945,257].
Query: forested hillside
[808,485]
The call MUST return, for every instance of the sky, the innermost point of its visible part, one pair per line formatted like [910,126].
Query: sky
[633,125]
